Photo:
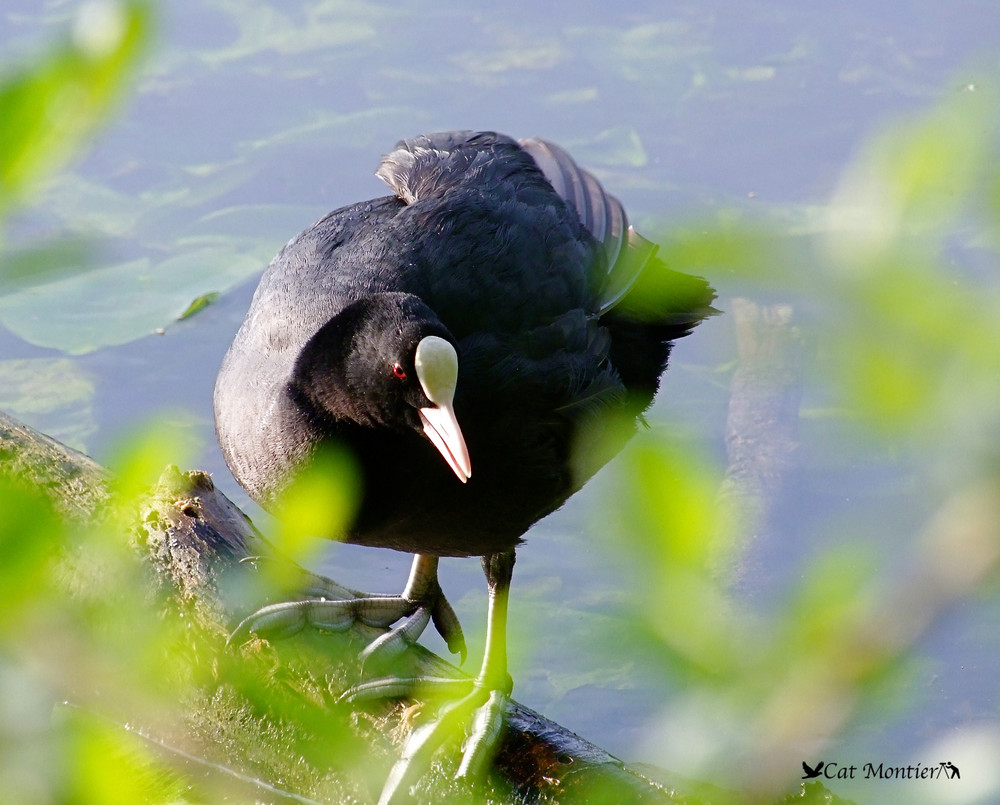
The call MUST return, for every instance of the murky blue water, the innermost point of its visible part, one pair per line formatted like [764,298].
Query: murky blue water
[254,118]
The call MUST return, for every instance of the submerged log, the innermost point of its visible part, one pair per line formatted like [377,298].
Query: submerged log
[762,437]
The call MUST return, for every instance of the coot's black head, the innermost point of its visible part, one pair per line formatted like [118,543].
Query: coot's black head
[385,361]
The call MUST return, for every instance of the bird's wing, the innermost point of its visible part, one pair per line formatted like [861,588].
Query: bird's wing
[627,253]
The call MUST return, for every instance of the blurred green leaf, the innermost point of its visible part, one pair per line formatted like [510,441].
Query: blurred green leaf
[671,516]
[30,536]
[319,502]
[138,457]
[109,765]
[911,182]
[49,109]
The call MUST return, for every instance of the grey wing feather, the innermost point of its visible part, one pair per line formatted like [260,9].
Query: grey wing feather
[626,251]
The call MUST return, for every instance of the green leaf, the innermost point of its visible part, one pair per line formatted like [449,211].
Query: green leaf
[199,304]
[50,109]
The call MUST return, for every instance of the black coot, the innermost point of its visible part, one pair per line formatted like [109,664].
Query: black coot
[460,337]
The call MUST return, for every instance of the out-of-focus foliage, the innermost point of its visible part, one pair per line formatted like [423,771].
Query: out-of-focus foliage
[80,630]
[76,621]
[321,501]
[75,293]
[114,689]
[899,277]
[51,107]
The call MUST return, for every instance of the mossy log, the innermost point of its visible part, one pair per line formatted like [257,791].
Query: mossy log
[207,557]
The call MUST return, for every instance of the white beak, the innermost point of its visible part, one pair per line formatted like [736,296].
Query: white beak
[441,427]
[436,363]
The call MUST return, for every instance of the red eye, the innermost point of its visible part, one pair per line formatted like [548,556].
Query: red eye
[398,371]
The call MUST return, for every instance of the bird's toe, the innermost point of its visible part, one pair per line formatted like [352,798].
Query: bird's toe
[483,740]
[422,687]
[481,713]
[282,620]
[386,648]
[447,624]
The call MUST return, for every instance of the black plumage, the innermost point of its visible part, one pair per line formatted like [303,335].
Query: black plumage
[476,247]
[515,257]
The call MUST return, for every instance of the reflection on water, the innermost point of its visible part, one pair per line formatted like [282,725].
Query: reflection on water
[253,119]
